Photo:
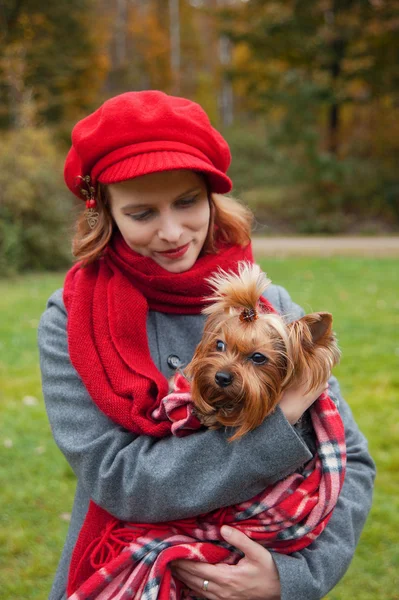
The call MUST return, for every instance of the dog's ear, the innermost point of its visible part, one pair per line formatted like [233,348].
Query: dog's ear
[311,331]
[319,324]
[313,349]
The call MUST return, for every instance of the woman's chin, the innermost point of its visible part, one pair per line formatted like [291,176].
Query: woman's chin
[175,266]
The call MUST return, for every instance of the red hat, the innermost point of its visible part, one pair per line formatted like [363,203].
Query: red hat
[137,133]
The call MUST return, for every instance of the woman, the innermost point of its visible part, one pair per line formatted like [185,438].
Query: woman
[152,170]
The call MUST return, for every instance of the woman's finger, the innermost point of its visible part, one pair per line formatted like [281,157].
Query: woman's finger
[199,569]
[252,550]
[196,584]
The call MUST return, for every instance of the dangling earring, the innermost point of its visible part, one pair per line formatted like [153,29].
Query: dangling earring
[88,192]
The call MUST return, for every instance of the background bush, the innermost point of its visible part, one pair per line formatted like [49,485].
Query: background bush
[302,189]
[35,206]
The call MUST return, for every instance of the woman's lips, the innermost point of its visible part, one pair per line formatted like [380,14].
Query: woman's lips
[175,252]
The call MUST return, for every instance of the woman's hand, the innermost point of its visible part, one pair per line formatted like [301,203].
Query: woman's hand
[294,401]
[254,577]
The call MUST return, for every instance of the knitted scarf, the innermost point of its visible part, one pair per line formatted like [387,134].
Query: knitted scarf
[107,304]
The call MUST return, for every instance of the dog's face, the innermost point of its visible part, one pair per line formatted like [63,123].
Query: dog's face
[239,369]
[248,356]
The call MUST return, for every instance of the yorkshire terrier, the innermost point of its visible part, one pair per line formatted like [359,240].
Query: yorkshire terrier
[248,356]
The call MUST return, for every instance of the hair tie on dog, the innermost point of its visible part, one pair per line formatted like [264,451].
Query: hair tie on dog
[249,314]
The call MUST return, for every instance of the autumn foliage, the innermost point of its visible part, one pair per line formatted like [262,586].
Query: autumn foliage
[307,93]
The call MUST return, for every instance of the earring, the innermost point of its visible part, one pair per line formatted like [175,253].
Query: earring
[88,192]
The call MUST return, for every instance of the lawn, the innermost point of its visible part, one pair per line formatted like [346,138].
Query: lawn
[37,485]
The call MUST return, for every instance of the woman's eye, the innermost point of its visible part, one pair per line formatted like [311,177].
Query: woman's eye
[140,216]
[220,346]
[187,201]
[258,358]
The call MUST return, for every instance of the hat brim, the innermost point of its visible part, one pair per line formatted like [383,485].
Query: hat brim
[164,160]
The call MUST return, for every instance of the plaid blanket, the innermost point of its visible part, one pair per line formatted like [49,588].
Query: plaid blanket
[132,560]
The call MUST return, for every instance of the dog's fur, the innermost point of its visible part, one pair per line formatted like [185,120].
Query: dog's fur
[248,357]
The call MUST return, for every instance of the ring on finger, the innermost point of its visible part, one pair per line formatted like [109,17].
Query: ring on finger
[205,585]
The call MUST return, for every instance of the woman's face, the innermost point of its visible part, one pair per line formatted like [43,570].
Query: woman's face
[164,216]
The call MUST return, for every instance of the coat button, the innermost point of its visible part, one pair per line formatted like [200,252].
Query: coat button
[174,362]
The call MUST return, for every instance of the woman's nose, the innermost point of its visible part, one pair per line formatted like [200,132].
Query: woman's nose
[170,229]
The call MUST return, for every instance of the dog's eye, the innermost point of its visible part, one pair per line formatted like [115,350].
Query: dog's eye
[258,358]
[221,346]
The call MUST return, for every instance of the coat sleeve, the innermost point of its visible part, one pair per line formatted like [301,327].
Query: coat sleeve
[311,573]
[143,479]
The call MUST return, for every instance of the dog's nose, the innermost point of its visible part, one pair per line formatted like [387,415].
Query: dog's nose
[223,379]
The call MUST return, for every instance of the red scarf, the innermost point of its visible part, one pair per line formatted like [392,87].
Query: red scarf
[107,304]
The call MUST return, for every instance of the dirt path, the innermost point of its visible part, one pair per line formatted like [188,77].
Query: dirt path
[376,247]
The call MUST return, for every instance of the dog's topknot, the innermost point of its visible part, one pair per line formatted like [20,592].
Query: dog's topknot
[234,292]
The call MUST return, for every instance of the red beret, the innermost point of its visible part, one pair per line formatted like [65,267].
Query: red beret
[137,133]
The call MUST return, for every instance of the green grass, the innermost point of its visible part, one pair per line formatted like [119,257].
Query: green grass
[37,485]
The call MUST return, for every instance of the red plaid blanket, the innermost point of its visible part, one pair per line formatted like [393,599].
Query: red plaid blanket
[132,560]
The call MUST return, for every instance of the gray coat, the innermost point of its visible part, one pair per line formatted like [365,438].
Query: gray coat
[139,478]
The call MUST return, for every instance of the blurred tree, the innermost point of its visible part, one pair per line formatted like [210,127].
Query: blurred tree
[320,74]
[52,57]
[164,45]
[149,36]
[331,53]
[36,209]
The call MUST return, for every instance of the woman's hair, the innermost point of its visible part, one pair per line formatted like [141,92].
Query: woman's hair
[230,223]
